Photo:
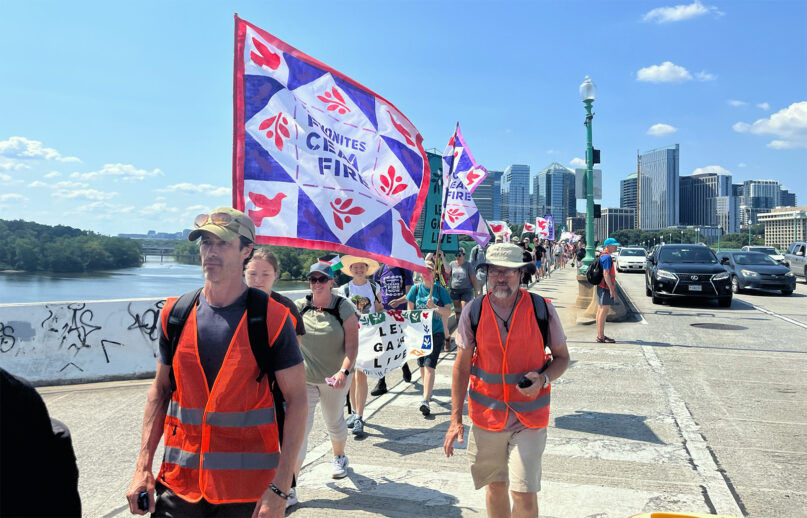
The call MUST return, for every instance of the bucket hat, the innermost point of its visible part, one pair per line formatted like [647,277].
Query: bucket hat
[506,255]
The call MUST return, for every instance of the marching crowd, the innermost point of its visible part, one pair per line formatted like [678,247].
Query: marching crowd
[235,414]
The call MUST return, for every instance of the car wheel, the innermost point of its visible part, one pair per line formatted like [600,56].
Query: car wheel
[647,289]
[656,299]
[787,292]
[725,302]
[735,284]
[805,275]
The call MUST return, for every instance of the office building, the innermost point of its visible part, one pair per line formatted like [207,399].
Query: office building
[488,196]
[554,192]
[759,196]
[657,188]
[702,205]
[784,225]
[787,198]
[611,220]
[627,192]
[576,224]
[515,188]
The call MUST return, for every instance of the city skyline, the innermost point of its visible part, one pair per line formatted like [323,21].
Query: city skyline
[136,133]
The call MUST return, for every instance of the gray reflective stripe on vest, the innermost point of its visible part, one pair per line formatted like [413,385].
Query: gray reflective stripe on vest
[518,406]
[185,415]
[240,419]
[487,377]
[227,460]
[181,457]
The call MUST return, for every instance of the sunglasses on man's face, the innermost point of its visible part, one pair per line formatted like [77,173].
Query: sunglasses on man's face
[321,279]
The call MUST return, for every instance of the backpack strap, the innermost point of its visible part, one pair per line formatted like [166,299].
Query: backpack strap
[309,306]
[179,314]
[538,307]
[257,300]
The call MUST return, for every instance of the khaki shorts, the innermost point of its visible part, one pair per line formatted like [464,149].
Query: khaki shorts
[510,457]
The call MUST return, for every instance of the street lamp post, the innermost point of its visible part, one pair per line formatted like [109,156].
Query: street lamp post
[748,222]
[588,90]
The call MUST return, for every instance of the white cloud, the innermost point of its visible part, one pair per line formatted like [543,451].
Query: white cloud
[23,148]
[788,124]
[201,188]
[125,171]
[8,179]
[63,185]
[53,174]
[37,183]
[764,106]
[705,76]
[660,130]
[103,207]
[742,164]
[679,12]
[577,162]
[156,208]
[736,103]
[713,169]
[89,194]
[667,72]
[13,166]
[5,177]
[12,197]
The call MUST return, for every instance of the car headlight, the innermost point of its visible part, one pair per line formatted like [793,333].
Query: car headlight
[749,273]
[664,274]
[790,274]
[720,276]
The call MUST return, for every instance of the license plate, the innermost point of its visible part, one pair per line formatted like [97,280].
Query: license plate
[695,287]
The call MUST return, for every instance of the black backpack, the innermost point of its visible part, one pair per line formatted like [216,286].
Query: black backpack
[333,311]
[594,272]
[257,300]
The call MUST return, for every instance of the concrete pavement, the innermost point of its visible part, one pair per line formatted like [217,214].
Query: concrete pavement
[674,417]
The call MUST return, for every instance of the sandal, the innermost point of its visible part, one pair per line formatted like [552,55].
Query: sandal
[605,340]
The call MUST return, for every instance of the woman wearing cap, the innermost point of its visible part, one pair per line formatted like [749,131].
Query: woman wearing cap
[463,282]
[366,296]
[421,296]
[329,349]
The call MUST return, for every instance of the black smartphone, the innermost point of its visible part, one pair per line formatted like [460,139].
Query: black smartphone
[525,382]
[143,501]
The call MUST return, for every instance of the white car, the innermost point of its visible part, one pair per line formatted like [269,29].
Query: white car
[631,259]
[771,251]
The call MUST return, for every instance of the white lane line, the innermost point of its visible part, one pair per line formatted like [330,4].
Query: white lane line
[716,486]
[777,315]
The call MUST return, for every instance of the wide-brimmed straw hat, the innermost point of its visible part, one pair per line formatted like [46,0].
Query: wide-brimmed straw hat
[506,255]
[350,260]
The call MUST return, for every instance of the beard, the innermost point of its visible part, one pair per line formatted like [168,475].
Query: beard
[502,290]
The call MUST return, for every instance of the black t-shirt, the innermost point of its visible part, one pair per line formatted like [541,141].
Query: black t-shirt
[539,252]
[215,328]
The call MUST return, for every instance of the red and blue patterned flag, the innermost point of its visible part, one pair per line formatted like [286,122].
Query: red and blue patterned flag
[462,175]
[319,160]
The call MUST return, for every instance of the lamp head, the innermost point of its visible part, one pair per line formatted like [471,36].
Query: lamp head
[588,90]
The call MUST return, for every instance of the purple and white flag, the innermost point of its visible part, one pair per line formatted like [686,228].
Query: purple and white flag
[461,176]
[550,226]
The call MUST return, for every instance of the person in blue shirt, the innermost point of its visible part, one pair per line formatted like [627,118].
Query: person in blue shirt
[419,298]
[606,290]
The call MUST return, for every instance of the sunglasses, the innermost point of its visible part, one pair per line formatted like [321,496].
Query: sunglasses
[321,279]
[220,219]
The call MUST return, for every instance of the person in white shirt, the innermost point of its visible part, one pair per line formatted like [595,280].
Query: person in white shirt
[365,295]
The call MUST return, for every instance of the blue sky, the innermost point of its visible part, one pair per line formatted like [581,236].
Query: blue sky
[118,117]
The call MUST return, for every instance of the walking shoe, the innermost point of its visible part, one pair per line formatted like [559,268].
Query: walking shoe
[424,408]
[380,388]
[292,499]
[605,340]
[350,420]
[358,426]
[340,464]
[407,374]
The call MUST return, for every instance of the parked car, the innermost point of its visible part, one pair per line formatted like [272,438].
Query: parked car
[687,272]
[757,271]
[794,258]
[775,254]
[631,259]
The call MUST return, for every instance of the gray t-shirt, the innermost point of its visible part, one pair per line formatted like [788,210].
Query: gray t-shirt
[467,340]
[460,275]
[215,328]
[323,345]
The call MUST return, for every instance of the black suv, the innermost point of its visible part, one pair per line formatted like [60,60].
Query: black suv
[686,271]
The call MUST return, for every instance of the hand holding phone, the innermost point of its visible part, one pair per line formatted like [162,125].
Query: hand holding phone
[525,382]
[330,381]
[143,501]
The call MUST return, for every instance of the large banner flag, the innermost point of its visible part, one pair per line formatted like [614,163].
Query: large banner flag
[462,175]
[389,338]
[500,228]
[320,161]
[542,226]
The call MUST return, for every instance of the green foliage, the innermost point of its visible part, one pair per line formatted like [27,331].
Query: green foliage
[33,247]
[630,237]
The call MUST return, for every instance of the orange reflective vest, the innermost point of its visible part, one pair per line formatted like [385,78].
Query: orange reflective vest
[221,444]
[497,368]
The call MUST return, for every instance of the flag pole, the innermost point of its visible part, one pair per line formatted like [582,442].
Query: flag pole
[437,266]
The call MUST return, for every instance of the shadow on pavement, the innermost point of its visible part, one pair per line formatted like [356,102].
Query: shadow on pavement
[381,497]
[626,426]
[392,438]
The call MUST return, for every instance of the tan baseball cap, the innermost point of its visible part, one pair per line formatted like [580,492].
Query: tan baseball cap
[225,223]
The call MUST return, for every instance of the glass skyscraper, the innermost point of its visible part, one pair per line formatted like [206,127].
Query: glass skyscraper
[657,188]
[516,194]
[553,191]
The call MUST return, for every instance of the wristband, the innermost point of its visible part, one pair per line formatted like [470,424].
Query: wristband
[277,491]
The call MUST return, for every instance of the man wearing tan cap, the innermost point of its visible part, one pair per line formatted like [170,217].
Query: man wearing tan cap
[502,344]
[211,400]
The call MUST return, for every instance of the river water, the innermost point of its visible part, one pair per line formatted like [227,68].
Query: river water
[153,279]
